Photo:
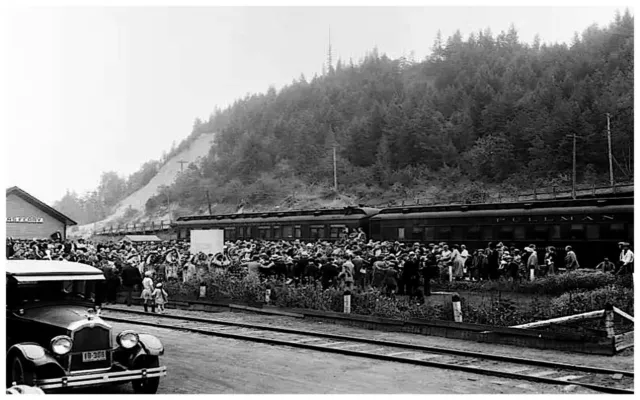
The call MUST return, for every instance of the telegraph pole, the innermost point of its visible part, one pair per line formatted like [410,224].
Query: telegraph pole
[209,202]
[335,170]
[573,191]
[610,156]
[182,163]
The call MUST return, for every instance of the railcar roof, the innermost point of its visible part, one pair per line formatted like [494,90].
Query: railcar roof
[51,270]
[545,204]
[348,212]
[399,214]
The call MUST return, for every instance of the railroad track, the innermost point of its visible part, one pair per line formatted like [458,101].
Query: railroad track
[541,371]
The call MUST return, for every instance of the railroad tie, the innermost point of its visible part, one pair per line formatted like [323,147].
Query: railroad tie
[308,340]
[540,374]
[402,352]
[427,356]
[515,370]
[330,344]
[353,345]
[570,377]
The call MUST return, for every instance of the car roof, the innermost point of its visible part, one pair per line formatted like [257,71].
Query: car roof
[44,270]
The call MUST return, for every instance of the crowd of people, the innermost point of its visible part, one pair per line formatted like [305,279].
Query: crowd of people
[350,263]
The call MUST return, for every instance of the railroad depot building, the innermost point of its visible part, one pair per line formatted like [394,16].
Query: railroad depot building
[29,218]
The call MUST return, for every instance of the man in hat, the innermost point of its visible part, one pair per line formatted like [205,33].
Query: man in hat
[606,266]
[627,260]
[130,278]
[411,275]
[532,261]
[571,260]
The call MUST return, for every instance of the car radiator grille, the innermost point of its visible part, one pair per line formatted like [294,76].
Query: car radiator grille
[90,339]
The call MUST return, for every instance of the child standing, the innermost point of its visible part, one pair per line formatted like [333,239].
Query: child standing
[160,297]
[147,292]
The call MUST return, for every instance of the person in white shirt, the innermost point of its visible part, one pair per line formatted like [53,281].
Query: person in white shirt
[627,260]
[464,254]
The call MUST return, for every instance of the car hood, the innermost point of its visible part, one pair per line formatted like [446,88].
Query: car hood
[60,315]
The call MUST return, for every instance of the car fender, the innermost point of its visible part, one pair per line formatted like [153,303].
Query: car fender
[34,354]
[151,345]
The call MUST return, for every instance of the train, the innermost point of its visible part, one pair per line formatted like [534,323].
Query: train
[593,227]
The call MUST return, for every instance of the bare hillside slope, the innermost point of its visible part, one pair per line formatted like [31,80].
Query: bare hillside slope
[167,175]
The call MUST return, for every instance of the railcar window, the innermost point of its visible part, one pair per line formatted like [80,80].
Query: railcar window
[555,232]
[263,232]
[487,233]
[276,232]
[375,228]
[519,233]
[473,233]
[443,233]
[334,231]
[247,231]
[317,232]
[505,233]
[389,233]
[458,233]
[287,231]
[577,232]
[430,233]
[229,233]
[593,231]
[400,233]
[417,233]
[541,232]
[616,231]
[298,233]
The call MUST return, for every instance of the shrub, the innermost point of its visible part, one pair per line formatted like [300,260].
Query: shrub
[550,285]
[579,302]
[494,309]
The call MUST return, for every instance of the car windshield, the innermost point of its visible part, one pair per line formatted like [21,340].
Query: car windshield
[26,293]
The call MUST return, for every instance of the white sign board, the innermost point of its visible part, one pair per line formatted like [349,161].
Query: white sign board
[209,241]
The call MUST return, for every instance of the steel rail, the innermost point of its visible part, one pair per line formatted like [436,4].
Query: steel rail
[383,357]
[495,357]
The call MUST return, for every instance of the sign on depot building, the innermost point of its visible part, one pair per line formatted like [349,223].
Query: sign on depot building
[25,220]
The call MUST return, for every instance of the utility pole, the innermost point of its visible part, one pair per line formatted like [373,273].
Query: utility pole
[182,163]
[209,202]
[610,156]
[166,193]
[335,170]
[573,191]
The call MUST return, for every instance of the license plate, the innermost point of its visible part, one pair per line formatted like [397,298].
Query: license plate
[90,356]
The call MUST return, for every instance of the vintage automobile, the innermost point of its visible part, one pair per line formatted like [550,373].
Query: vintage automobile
[56,338]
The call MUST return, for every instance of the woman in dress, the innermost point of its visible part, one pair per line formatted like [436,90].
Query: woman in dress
[458,263]
[147,290]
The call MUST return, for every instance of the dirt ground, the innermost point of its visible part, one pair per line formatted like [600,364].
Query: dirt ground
[622,361]
[199,364]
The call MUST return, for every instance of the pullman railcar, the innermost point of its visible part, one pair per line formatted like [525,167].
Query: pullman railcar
[310,225]
[592,227]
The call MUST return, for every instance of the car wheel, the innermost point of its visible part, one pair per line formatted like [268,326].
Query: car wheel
[149,385]
[19,372]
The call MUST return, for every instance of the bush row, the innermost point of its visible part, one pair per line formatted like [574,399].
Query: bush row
[495,309]
[553,285]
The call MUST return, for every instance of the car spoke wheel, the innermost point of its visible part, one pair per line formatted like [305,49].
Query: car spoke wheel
[149,385]
[19,374]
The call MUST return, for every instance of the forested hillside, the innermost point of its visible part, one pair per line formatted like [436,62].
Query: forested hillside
[485,112]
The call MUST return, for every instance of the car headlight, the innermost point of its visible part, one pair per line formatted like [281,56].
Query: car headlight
[61,345]
[127,339]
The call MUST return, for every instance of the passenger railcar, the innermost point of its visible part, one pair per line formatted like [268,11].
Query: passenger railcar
[310,225]
[592,227]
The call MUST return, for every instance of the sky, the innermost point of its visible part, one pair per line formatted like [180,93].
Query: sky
[93,89]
